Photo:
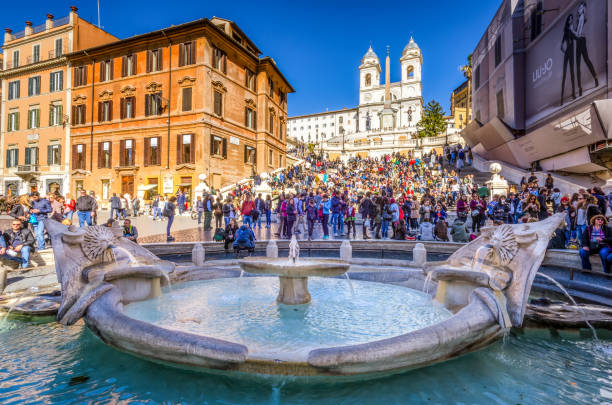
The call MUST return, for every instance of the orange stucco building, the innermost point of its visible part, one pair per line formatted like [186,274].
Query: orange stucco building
[151,113]
[34,128]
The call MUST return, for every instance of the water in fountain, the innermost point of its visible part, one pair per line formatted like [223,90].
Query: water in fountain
[564,291]
[427,282]
[348,280]
[31,290]
[131,259]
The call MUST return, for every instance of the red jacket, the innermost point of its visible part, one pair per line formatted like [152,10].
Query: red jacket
[247,207]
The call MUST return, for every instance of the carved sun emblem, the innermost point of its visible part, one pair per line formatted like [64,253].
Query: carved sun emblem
[96,240]
[504,243]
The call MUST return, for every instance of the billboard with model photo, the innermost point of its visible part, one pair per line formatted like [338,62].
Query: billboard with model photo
[568,61]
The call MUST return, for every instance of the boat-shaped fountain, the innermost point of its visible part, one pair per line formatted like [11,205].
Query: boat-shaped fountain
[476,296]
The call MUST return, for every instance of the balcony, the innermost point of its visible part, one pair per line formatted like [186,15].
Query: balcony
[52,54]
[28,169]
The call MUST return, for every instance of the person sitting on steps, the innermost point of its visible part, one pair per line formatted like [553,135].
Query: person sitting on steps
[17,242]
[597,238]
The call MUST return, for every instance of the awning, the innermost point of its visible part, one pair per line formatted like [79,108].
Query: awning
[147,187]
[185,184]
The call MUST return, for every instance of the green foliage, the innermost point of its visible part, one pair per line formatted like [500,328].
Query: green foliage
[433,122]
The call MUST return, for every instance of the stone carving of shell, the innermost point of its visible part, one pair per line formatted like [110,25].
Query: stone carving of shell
[504,242]
[96,240]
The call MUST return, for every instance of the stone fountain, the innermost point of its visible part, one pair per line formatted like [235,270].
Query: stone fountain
[293,273]
[482,288]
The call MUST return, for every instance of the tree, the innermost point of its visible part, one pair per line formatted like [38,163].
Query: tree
[467,72]
[432,123]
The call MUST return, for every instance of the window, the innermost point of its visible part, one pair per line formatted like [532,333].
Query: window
[31,155]
[34,86]
[340,120]
[271,156]
[34,117]
[154,60]
[187,94]
[536,20]
[153,104]
[410,72]
[55,114]
[36,53]
[128,65]
[187,53]
[12,157]
[218,146]
[218,103]
[78,114]
[250,118]
[152,151]
[126,150]
[80,76]
[498,50]
[13,90]
[185,149]
[281,97]
[78,156]
[105,155]
[54,154]
[270,88]
[56,81]
[477,77]
[219,59]
[281,127]
[127,107]
[500,103]
[368,79]
[105,111]
[13,121]
[271,124]
[250,155]
[250,79]
[15,59]
[58,47]
[106,70]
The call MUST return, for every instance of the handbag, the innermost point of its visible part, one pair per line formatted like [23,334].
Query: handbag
[475,212]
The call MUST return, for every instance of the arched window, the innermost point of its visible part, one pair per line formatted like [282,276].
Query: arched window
[410,72]
[340,120]
[368,80]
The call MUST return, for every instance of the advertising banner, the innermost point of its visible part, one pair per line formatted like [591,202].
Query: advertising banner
[568,62]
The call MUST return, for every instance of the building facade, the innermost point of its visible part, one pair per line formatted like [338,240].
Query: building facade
[152,113]
[541,90]
[359,128]
[461,111]
[34,127]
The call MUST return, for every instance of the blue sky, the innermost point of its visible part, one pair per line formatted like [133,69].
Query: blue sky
[318,45]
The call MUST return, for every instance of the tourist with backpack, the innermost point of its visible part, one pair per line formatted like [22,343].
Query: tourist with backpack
[168,212]
[230,233]
[244,239]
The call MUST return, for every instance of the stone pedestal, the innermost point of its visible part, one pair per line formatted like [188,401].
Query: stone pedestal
[346,251]
[272,249]
[293,291]
[497,185]
[419,255]
[198,255]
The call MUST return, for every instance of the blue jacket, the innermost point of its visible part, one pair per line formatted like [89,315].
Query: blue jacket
[44,206]
[326,205]
[335,205]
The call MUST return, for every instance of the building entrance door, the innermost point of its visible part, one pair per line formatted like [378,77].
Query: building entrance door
[127,185]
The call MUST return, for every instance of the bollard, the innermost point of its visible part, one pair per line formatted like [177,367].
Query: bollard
[3,274]
[419,255]
[198,254]
[271,249]
[346,251]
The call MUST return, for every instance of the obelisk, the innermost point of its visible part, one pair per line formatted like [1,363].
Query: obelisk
[388,120]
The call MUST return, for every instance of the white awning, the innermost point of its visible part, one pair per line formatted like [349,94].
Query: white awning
[146,187]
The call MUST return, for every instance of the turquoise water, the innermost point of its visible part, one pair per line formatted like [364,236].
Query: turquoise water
[49,363]
[244,310]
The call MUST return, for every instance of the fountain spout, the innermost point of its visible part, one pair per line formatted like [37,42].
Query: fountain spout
[294,249]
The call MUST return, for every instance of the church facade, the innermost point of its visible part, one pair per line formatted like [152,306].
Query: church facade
[384,122]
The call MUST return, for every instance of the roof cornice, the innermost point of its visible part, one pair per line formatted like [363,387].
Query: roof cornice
[61,61]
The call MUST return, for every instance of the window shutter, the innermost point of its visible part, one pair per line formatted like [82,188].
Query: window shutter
[61,80]
[187,97]
[73,115]
[30,82]
[147,147]
[122,153]
[122,107]
[179,149]
[212,144]
[50,115]
[74,157]
[224,63]
[84,156]
[192,58]
[100,153]
[255,156]
[134,65]
[37,114]
[245,153]
[159,149]
[75,73]
[110,110]
[112,68]
[29,125]
[60,113]
[16,162]
[192,149]
[49,152]
[147,106]
[181,55]
[83,114]
[246,117]
[51,83]
[28,152]
[133,107]
[224,148]
[99,111]
[84,75]
[124,66]
[17,121]
[254,120]
[110,154]
[148,61]
[159,59]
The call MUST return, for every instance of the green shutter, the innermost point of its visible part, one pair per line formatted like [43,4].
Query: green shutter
[29,119]
[37,112]
[17,121]
[51,115]
[60,113]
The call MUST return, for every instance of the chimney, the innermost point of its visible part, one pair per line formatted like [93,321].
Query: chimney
[8,36]
[49,22]
[28,29]
[73,14]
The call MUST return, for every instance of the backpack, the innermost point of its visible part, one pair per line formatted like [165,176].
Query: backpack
[387,213]
[243,236]
[219,235]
